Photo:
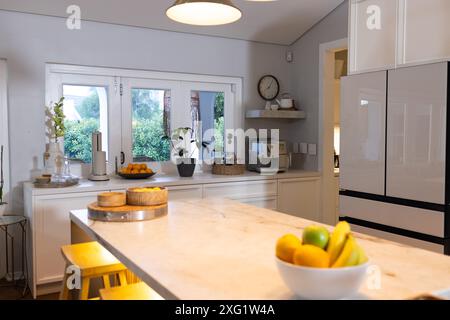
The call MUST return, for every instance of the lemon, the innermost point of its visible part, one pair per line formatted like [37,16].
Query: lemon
[311,256]
[286,246]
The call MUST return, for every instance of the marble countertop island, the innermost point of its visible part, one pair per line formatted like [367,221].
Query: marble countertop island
[222,249]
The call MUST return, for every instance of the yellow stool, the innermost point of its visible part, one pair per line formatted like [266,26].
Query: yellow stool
[94,261]
[135,291]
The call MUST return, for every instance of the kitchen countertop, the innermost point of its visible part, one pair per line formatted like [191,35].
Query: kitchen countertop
[222,249]
[167,180]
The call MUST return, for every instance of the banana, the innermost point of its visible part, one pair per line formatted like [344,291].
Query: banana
[362,256]
[337,240]
[350,255]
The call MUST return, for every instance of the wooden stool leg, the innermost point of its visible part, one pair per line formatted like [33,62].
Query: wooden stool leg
[64,293]
[106,283]
[84,291]
[123,278]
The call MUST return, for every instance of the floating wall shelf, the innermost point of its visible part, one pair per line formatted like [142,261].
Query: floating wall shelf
[275,114]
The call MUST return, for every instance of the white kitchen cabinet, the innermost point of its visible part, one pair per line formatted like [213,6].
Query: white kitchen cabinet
[242,189]
[363,118]
[50,229]
[267,202]
[416,133]
[425,27]
[185,192]
[373,33]
[300,197]
[259,193]
[385,34]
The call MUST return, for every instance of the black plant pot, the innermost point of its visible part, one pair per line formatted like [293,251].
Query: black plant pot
[186,167]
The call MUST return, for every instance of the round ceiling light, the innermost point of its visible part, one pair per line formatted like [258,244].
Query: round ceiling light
[204,12]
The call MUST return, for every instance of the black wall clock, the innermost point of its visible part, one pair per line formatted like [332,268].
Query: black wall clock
[268,87]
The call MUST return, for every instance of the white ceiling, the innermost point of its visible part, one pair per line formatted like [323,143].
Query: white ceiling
[279,22]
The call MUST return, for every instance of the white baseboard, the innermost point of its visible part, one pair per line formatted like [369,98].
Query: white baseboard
[44,289]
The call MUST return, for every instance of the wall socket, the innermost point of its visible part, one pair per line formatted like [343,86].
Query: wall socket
[296,148]
[289,56]
[303,148]
[312,149]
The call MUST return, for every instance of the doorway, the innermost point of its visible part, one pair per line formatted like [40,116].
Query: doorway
[332,66]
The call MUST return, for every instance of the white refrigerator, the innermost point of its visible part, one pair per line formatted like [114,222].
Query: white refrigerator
[395,154]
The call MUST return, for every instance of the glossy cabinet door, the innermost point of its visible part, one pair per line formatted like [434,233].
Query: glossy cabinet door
[416,133]
[363,118]
[399,239]
[426,30]
[408,218]
[373,34]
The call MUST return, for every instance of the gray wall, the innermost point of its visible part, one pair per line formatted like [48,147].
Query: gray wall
[29,41]
[304,75]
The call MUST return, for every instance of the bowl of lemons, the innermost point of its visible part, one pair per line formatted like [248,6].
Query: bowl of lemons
[136,171]
[322,265]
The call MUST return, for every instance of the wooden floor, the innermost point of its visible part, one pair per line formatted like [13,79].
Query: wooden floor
[9,292]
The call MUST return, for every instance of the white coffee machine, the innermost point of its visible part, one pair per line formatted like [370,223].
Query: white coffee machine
[98,172]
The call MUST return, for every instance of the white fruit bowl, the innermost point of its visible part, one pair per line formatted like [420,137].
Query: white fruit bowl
[322,284]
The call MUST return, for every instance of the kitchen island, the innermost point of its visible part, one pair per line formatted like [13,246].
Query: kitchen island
[222,249]
[49,221]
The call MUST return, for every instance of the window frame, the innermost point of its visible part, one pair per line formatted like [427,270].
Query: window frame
[55,83]
[180,111]
[128,85]
[227,89]
[234,117]
[4,133]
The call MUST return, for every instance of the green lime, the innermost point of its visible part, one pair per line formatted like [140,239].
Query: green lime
[316,235]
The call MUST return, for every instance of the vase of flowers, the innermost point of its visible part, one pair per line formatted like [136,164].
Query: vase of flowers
[55,125]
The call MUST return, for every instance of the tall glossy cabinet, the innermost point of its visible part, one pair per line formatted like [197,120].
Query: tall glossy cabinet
[416,133]
[385,34]
[373,34]
[424,26]
[363,122]
[395,153]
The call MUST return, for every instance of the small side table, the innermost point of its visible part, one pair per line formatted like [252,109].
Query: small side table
[5,223]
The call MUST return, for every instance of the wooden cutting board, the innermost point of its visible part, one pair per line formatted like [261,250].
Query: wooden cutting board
[126,213]
[126,208]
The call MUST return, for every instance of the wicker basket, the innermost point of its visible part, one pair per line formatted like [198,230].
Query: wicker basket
[111,199]
[146,198]
[228,170]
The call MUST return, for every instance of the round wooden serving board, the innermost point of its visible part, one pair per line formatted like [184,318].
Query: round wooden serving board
[125,213]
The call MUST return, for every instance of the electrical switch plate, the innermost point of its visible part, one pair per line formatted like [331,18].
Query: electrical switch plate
[303,148]
[289,56]
[296,147]
[312,149]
